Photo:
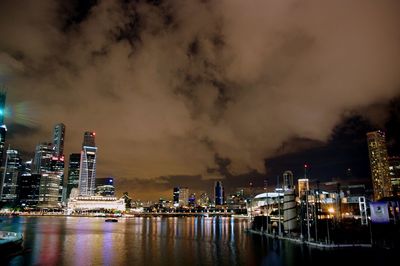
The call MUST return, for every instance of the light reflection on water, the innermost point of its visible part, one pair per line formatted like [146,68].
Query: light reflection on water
[159,241]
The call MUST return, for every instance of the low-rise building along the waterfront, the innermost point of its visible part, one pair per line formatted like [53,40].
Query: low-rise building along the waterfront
[90,203]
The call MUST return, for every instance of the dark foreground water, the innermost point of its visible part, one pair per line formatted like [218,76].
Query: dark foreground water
[166,241]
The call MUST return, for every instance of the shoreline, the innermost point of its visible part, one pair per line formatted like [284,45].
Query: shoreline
[318,245]
[143,215]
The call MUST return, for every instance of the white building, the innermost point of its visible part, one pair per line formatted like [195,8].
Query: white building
[87,203]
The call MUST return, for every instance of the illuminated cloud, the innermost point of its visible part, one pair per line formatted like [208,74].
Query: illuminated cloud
[168,86]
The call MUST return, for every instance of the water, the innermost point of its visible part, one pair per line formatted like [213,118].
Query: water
[165,241]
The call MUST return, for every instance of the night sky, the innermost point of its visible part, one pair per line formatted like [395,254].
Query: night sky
[187,92]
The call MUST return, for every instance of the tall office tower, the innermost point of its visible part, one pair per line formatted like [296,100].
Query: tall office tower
[28,186]
[287,180]
[378,159]
[183,196]
[175,196]
[3,128]
[192,199]
[89,139]
[73,172]
[57,167]
[12,168]
[49,191]
[219,193]
[394,173]
[58,139]
[105,187]
[51,169]
[87,170]
[58,152]
[42,160]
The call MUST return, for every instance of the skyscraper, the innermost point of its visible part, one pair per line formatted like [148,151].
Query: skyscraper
[73,172]
[89,139]
[42,159]
[219,193]
[378,158]
[58,139]
[51,169]
[192,199]
[176,196]
[28,186]
[9,186]
[3,128]
[87,170]
[183,196]
[58,152]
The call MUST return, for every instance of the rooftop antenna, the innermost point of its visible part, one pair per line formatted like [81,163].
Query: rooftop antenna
[305,170]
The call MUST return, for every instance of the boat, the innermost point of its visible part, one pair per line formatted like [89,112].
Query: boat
[111,220]
[10,242]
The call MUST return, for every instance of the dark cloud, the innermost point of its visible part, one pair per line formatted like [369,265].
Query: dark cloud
[168,84]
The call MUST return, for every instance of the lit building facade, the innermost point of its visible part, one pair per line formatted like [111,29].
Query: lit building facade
[90,203]
[87,170]
[43,157]
[9,188]
[394,173]
[29,185]
[204,200]
[51,169]
[183,196]
[175,196]
[73,172]
[219,193]
[192,199]
[303,186]
[58,139]
[379,164]
[51,178]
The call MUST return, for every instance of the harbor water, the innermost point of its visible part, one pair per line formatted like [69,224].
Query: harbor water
[166,241]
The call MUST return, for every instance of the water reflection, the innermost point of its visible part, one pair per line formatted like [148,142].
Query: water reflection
[158,241]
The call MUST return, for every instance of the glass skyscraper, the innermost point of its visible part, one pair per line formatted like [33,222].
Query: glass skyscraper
[176,196]
[378,158]
[28,186]
[219,193]
[51,169]
[87,170]
[73,172]
[42,159]
[9,188]
[58,139]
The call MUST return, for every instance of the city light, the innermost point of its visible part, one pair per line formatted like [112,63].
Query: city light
[206,113]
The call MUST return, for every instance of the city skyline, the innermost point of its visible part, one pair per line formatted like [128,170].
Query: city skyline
[187,94]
